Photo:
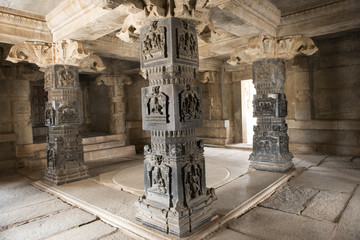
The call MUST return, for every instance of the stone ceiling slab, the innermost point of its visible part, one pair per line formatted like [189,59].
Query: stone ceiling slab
[38,7]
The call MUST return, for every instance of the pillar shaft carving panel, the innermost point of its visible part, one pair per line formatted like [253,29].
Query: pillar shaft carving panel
[176,199]
[270,141]
[65,158]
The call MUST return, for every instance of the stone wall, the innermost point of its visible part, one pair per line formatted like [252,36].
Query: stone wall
[324,104]
[98,106]
[135,135]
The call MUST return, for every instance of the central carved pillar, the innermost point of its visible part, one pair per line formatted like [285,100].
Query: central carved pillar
[176,199]
[60,61]
[267,55]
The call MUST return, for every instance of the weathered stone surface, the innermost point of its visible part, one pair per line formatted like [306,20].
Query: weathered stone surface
[348,165]
[12,181]
[118,235]
[331,181]
[349,222]
[18,216]
[308,160]
[270,224]
[93,230]
[242,189]
[48,226]
[290,198]
[326,205]
[15,198]
[231,234]
[338,159]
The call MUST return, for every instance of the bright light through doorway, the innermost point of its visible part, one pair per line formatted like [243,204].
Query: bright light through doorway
[248,121]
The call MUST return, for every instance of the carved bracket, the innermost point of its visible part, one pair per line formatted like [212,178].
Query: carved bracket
[265,47]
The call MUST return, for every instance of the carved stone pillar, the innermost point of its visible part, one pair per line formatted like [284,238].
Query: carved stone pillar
[60,61]
[267,54]
[116,95]
[176,199]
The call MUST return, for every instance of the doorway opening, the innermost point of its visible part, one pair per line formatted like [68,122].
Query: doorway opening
[248,121]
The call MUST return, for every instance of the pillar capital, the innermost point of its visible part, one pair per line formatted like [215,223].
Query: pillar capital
[43,54]
[112,80]
[267,47]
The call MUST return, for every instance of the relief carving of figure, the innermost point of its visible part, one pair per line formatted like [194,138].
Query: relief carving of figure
[50,116]
[156,105]
[265,107]
[192,180]
[67,113]
[190,105]
[154,44]
[51,155]
[159,175]
[66,77]
[186,42]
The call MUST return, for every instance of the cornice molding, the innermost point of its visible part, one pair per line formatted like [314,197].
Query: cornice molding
[112,80]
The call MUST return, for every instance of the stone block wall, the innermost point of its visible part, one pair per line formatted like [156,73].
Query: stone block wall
[324,99]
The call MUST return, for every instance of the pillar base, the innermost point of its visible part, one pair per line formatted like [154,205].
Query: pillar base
[66,175]
[268,163]
[178,221]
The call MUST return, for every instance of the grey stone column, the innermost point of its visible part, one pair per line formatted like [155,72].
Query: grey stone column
[270,141]
[65,158]
[176,199]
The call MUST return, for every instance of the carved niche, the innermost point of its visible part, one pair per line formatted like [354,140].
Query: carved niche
[67,113]
[157,106]
[269,76]
[192,180]
[51,155]
[159,175]
[282,106]
[265,106]
[190,105]
[186,43]
[66,77]
[154,43]
[49,79]
[50,115]
[265,145]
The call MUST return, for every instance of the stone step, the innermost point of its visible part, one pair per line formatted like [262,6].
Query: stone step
[213,141]
[102,139]
[103,145]
[117,152]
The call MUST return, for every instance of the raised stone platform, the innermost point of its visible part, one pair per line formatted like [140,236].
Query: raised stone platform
[33,156]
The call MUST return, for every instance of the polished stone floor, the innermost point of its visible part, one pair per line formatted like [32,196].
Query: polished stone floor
[321,201]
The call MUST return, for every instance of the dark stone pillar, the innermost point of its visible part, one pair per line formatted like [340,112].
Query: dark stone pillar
[176,199]
[270,141]
[65,158]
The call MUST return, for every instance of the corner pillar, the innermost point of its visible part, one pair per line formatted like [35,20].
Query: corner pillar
[176,199]
[267,56]
[60,62]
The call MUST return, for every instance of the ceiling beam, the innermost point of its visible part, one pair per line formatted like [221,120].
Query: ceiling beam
[88,19]
[331,18]
[243,17]
[17,26]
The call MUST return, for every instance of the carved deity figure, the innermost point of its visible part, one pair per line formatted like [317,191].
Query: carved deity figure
[156,105]
[50,116]
[158,175]
[66,78]
[154,43]
[187,47]
[51,155]
[190,105]
[193,181]
[67,113]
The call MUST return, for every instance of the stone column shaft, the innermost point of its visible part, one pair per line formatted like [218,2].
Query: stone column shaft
[270,141]
[176,199]
[65,158]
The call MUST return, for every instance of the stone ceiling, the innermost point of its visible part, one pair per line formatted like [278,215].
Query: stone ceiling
[110,27]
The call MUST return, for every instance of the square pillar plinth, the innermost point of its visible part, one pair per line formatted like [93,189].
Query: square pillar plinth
[64,152]
[176,199]
[270,140]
